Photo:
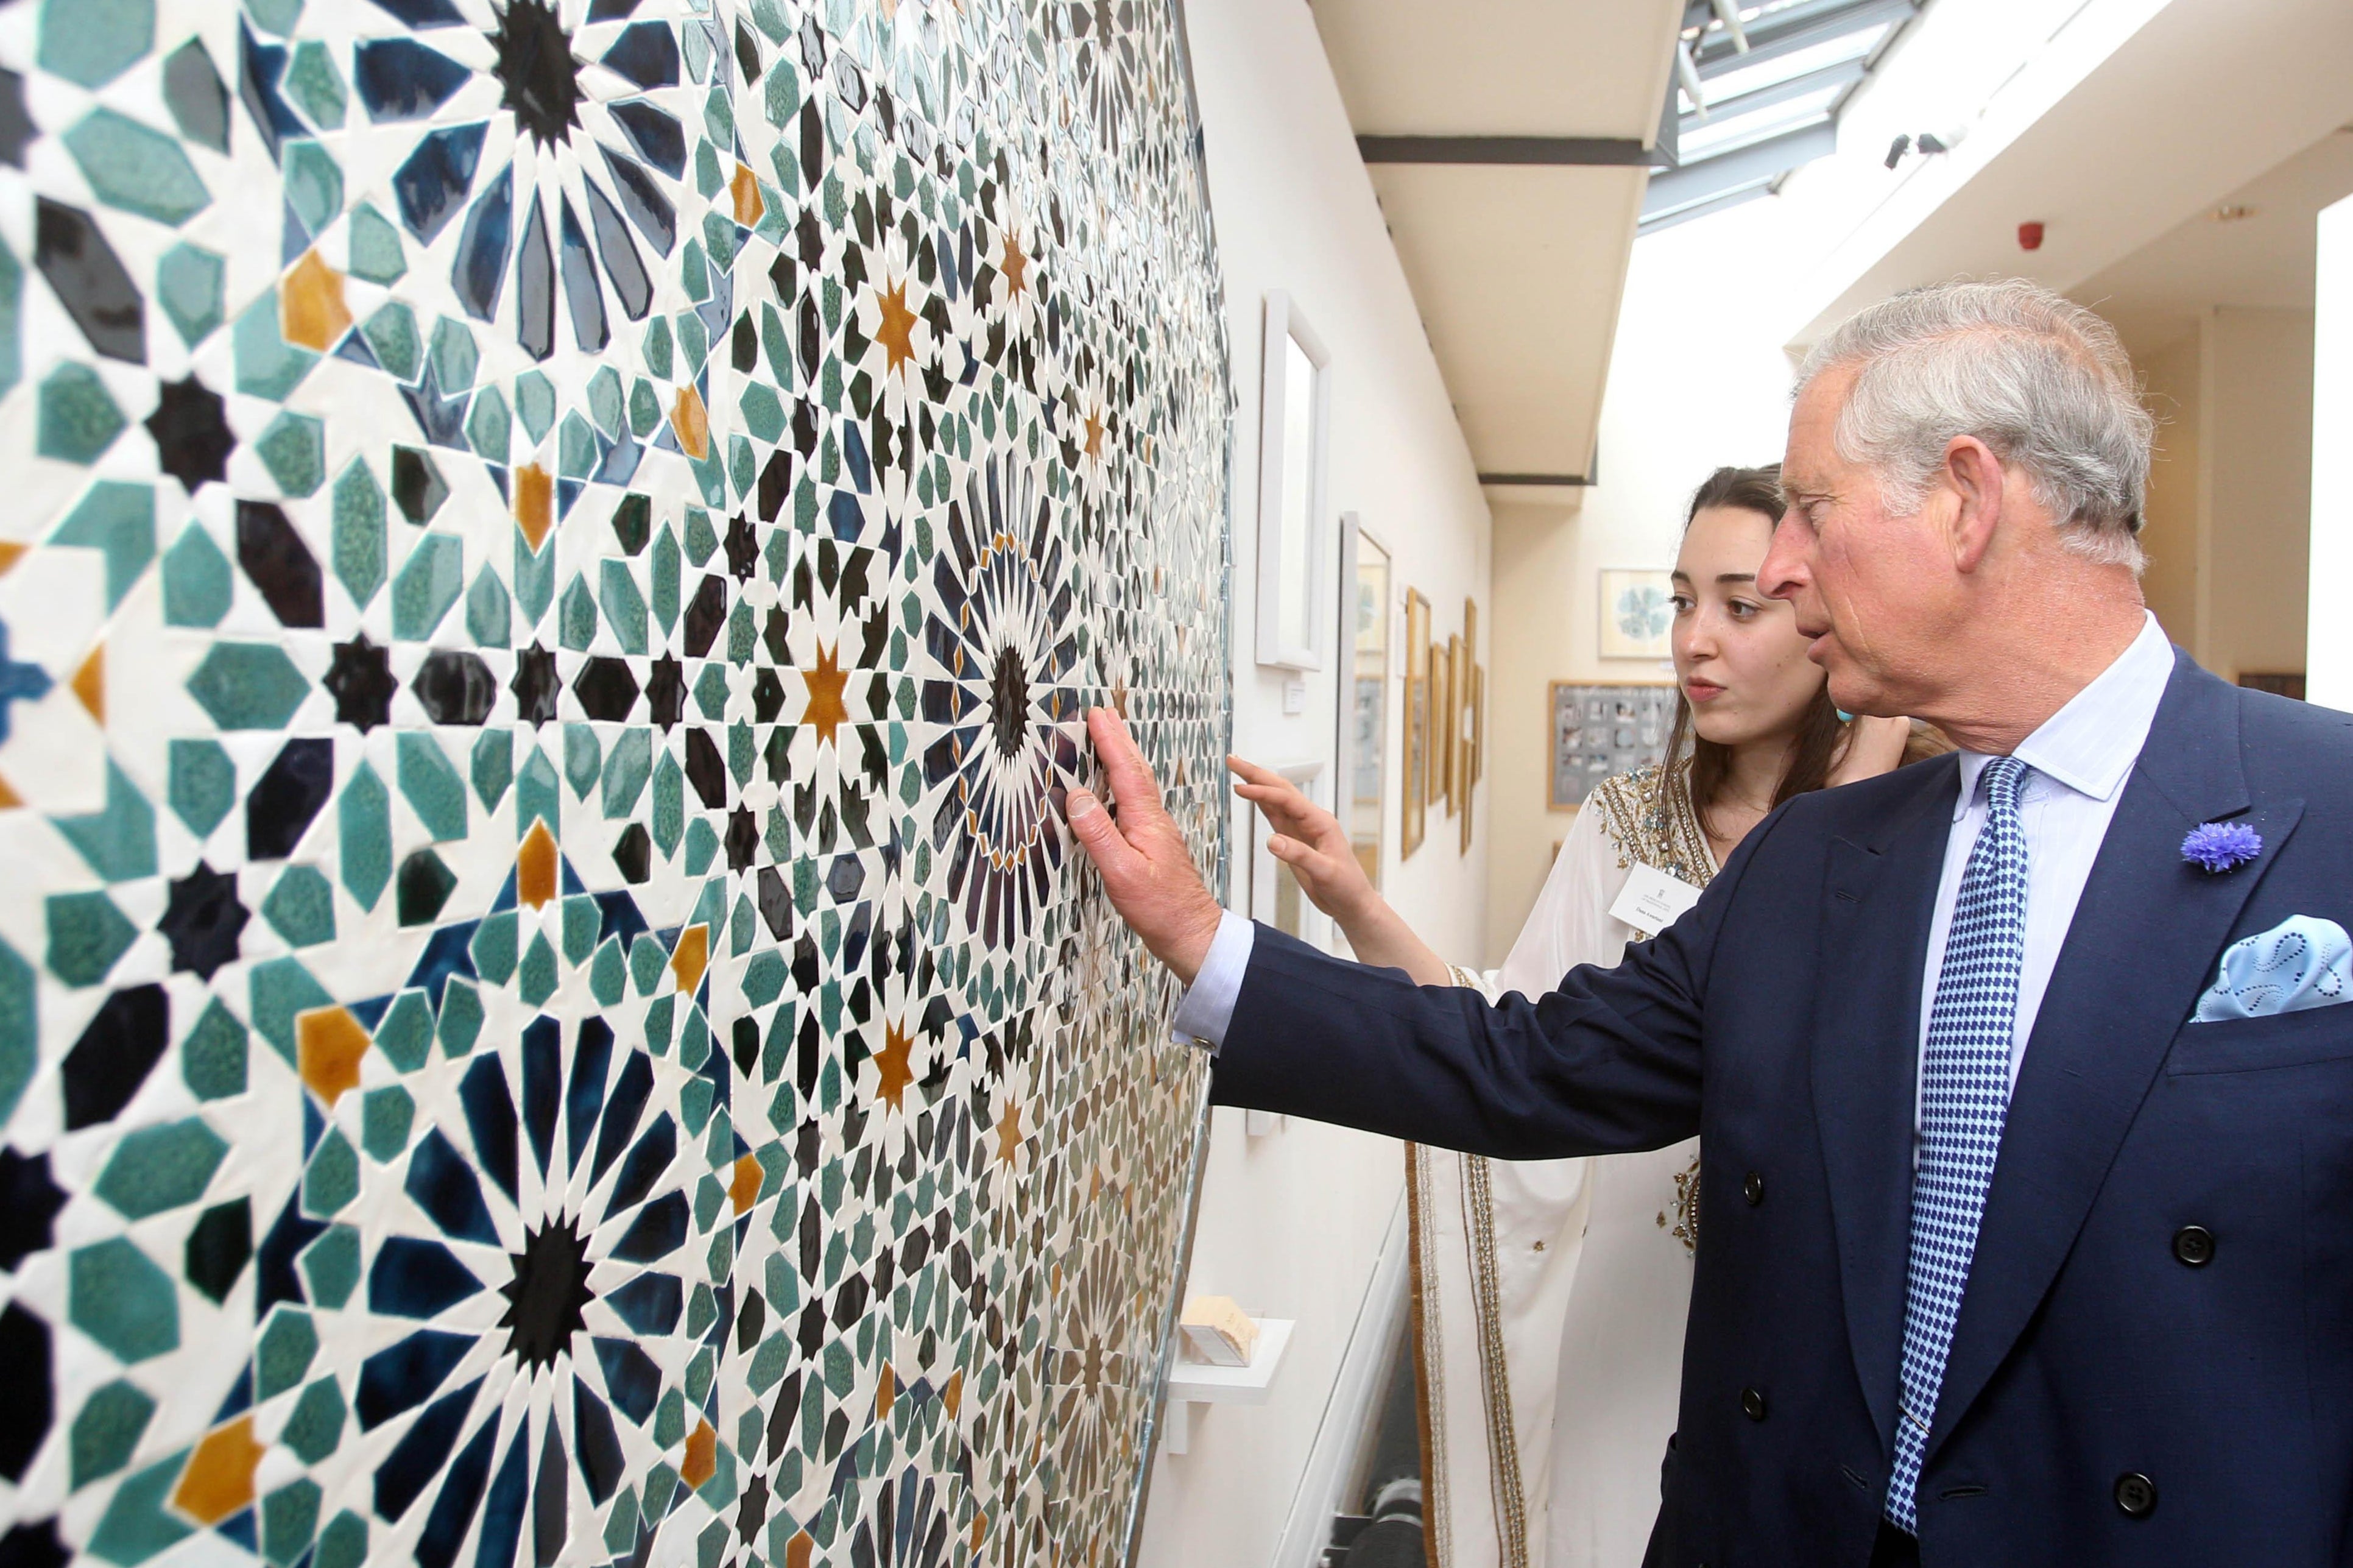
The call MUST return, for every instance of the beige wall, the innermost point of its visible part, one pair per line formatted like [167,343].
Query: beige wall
[2228,520]
[1291,1222]
[1696,381]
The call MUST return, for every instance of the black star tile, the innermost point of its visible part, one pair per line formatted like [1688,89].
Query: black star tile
[219,1246]
[118,1048]
[361,682]
[203,920]
[455,687]
[743,839]
[742,549]
[193,440]
[28,1202]
[534,686]
[26,1414]
[665,692]
[34,1544]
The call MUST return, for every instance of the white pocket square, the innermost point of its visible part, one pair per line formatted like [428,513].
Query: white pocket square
[2304,961]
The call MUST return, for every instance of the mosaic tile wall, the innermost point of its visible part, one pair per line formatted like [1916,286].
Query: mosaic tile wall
[553,556]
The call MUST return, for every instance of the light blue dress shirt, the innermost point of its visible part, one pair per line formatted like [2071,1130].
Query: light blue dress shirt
[2080,757]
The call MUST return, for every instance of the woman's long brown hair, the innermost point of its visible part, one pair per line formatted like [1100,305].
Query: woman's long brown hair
[1757,490]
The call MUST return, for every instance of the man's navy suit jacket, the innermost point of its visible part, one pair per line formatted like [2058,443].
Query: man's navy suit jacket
[1780,1021]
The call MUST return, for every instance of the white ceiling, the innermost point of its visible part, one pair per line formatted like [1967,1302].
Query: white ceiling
[2265,257]
[2195,103]
[1518,269]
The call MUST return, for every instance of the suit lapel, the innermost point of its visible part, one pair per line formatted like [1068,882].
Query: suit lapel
[1880,892]
[2146,937]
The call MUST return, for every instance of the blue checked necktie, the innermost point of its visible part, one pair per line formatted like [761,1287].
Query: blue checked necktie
[1964,1096]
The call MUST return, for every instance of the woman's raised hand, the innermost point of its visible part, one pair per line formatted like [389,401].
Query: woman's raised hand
[1873,747]
[1309,840]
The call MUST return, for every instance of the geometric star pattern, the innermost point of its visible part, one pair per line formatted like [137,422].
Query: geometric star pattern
[557,552]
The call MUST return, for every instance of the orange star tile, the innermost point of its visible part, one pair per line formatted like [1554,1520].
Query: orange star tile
[1008,1132]
[701,1460]
[892,1062]
[951,1397]
[693,422]
[691,956]
[750,206]
[886,1394]
[9,799]
[1095,435]
[826,708]
[218,1479]
[310,308]
[328,1045]
[1017,265]
[10,555]
[743,1187]
[535,866]
[89,684]
[897,334]
[534,503]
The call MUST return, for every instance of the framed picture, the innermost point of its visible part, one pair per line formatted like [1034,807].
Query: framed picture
[1414,784]
[1278,899]
[1364,711]
[1636,614]
[1597,731]
[1445,686]
[1294,431]
[1467,700]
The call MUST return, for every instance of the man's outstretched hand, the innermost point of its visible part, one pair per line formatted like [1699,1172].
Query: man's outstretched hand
[1146,870]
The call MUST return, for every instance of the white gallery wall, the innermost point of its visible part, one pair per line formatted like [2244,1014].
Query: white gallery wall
[2328,645]
[1291,1222]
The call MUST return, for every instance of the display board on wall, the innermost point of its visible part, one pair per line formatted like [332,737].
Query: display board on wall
[1597,731]
[557,554]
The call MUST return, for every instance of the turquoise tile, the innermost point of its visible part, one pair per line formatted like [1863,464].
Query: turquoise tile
[534,579]
[87,933]
[106,1431]
[118,840]
[488,426]
[669,820]
[358,546]
[119,519]
[431,786]
[627,767]
[314,185]
[79,417]
[94,41]
[301,907]
[12,319]
[313,1430]
[604,402]
[117,1296]
[583,758]
[249,685]
[536,794]
[535,404]
[461,1005]
[294,449]
[454,356]
[289,1521]
[137,1524]
[536,975]
[364,831]
[266,364]
[275,17]
[212,1058]
[159,1168]
[656,348]
[392,335]
[189,283]
[576,618]
[492,767]
[343,1544]
[489,612]
[576,453]
[385,1117]
[139,170]
[317,90]
[201,784]
[375,252]
[428,584]
[331,1266]
[645,409]
[278,990]
[405,1035]
[608,974]
[282,1355]
[332,1178]
[624,606]
[197,583]
[582,920]
[665,570]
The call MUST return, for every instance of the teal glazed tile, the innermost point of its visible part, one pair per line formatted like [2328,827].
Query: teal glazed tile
[702,1111]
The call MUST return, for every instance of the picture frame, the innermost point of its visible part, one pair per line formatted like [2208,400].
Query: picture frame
[1594,731]
[1276,897]
[1414,776]
[1444,687]
[1636,617]
[1468,702]
[1361,788]
[1294,440]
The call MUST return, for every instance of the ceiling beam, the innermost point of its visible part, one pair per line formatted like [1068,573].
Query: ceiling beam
[1535,150]
[1751,166]
[1840,75]
[1799,27]
[1545,481]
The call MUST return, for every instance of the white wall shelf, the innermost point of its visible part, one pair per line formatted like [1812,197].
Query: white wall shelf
[1194,1382]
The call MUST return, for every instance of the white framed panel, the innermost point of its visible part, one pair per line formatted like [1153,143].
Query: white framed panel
[1294,440]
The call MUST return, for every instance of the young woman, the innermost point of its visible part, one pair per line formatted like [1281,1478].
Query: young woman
[1550,1295]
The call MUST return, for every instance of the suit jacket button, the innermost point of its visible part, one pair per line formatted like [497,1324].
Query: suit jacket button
[2194,1245]
[1752,1404]
[2136,1495]
[1753,1189]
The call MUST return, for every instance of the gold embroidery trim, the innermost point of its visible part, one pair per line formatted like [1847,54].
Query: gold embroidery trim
[1503,1479]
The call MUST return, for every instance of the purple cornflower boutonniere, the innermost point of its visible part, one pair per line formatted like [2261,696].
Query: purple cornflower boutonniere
[2217,847]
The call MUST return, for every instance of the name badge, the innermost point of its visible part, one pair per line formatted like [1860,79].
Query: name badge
[1652,899]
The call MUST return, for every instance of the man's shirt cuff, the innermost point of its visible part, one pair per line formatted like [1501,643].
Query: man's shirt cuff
[1208,1006]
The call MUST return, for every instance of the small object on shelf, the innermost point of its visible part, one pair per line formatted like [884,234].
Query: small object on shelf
[1217,1332]
[1191,1383]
